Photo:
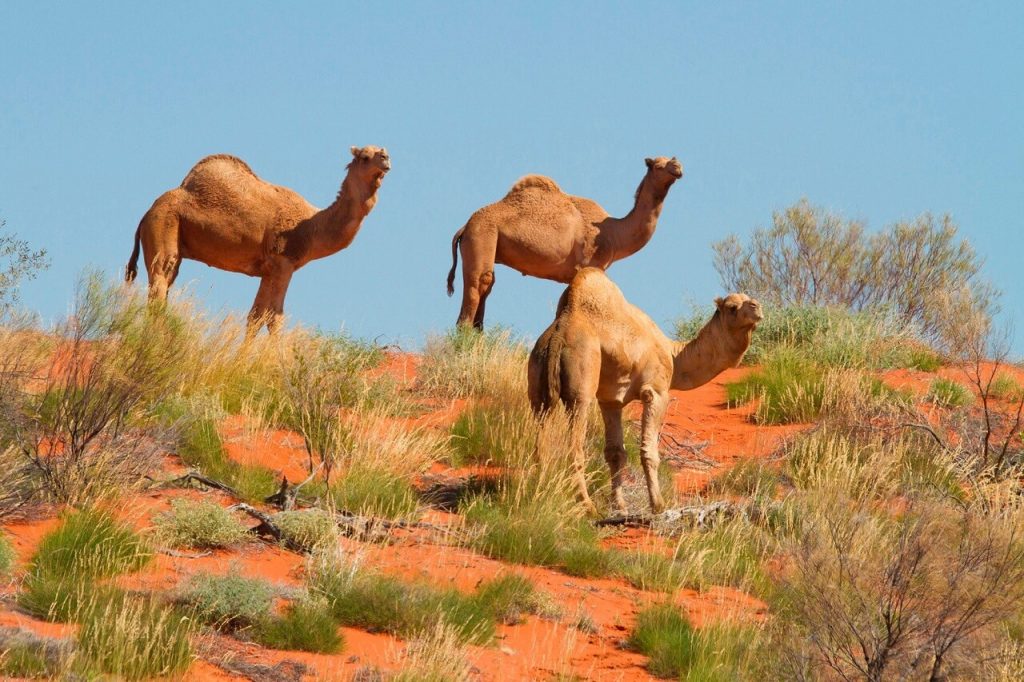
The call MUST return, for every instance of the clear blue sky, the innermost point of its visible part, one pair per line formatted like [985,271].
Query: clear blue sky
[878,110]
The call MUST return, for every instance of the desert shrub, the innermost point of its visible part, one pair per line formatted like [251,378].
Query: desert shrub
[80,426]
[948,393]
[813,257]
[18,262]
[467,364]
[228,602]
[7,557]
[19,490]
[136,637]
[435,655]
[87,546]
[678,650]
[323,375]
[309,529]
[199,524]
[872,596]
[307,625]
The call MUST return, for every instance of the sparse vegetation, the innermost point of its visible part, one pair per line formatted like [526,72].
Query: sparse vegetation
[199,524]
[436,655]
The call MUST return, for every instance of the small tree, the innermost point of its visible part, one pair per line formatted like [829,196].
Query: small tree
[17,263]
[811,256]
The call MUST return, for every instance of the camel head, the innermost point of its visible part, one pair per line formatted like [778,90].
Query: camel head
[739,312]
[373,160]
[669,170]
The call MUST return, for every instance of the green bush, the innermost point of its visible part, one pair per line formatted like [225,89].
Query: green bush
[308,529]
[228,602]
[481,436]
[136,637]
[306,626]
[86,546]
[199,524]
[948,393]
[371,491]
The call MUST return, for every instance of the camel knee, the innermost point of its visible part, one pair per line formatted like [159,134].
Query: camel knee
[485,281]
[615,456]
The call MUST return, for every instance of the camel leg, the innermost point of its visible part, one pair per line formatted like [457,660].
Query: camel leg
[268,308]
[614,450]
[651,422]
[478,252]
[579,410]
[486,284]
[160,253]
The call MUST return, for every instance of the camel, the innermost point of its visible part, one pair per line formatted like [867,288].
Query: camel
[600,346]
[540,230]
[224,215]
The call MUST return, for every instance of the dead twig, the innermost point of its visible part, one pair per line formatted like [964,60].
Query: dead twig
[195,477]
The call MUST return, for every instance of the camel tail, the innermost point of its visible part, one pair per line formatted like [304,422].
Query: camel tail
[455,259]
[547,360]
[131,271]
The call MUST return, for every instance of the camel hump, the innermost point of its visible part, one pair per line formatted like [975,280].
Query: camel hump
[228,159]
[535,182]
[591,288]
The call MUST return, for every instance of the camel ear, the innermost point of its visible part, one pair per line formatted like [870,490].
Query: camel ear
[718,302]
[650,162]
[355,151]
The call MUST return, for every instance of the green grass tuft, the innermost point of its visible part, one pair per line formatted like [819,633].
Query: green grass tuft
[136,637]
[306,626]
[675,649]
[948,393]
[749,477]
[372,491]
[509,598]
[87,546]
[791,389]
[380,603]
[199,524]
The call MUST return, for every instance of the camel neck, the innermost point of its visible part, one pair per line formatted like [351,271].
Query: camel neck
[337,225]
[629,234]
[714,350]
